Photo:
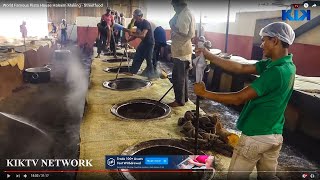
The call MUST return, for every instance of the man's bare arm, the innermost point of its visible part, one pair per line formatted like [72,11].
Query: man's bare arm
[131,38]
[141,35]
[235,98]
[228,65]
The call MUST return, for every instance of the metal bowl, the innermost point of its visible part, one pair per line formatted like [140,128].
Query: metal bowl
[137,109]
[124,84]
[37,75]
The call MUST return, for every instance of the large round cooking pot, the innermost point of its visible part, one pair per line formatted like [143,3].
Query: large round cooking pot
[163,147]
[37,75]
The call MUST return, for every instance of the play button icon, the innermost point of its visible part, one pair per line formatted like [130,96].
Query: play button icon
[8,175]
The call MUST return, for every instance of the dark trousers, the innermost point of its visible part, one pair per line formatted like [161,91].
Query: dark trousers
[180,80]
[144,51]
[116,37]
[63,36]
[123,37]
[113,44]
[101,44]
[156,53]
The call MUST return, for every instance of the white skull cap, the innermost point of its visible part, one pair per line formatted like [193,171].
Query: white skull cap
[281,30]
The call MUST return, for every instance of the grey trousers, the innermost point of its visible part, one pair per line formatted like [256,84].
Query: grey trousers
[180,80]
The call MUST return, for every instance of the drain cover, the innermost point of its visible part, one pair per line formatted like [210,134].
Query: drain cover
[115,60]
[115,69]
[163,147]
[123,84]
[137,110]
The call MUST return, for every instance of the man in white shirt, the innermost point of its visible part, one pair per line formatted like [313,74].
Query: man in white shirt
[182,31]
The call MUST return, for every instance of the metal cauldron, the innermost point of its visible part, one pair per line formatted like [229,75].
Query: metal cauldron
[37,75]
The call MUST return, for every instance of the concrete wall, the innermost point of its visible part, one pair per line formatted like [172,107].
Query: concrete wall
[246,21]
[241,38]
[306,47]
[312,37]
[87,31]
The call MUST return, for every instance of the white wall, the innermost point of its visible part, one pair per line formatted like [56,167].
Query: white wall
[86,21]
[246,21]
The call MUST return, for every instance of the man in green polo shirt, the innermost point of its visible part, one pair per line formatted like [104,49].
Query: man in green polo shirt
[262,118]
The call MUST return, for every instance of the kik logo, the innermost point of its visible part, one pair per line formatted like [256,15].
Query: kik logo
[287,14]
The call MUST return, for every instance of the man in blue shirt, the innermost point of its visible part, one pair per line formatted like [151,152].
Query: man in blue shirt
[145,48]
[160,41]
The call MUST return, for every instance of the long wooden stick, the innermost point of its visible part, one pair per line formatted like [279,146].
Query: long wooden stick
[145,117]
[119,65]
[24,43]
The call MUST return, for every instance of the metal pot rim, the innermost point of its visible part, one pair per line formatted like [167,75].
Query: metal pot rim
[175,143]
[114,109]
[106,84]
[114,67]
[38,69]
[62,51]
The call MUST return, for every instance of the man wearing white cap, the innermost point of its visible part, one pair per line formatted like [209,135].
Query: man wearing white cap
[262,118]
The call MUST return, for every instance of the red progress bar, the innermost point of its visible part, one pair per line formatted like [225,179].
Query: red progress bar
[94,171]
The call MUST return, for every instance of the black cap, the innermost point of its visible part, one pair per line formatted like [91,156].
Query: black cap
[137,12]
